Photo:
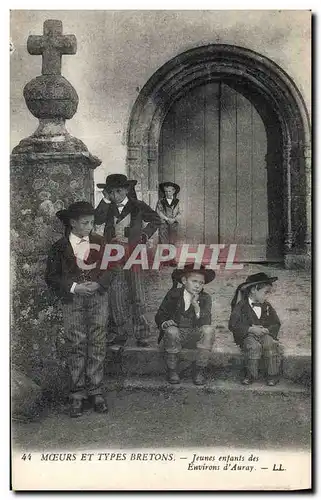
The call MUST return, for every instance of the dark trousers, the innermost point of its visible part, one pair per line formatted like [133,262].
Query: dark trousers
[265,347]
[85,333]
[127,304]
[168,233]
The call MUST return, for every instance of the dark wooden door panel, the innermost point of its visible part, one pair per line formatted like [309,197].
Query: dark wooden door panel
[211,162]
[195,165]
[244,169]
[213,144]
[260,228]
[228,164]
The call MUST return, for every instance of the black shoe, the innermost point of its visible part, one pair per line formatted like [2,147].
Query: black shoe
[199,377]
[272,381]
[142,343]
[86,405]
[76,408]
[173,377]
[247,381]
[99,404]
[118,340]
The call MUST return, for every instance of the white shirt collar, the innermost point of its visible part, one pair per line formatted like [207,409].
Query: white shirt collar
[251,303]
[257,309]
[74,239]
[169,200]
[187,299]
[124,202]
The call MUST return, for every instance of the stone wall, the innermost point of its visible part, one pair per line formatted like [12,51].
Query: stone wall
[118,51]
[49,170]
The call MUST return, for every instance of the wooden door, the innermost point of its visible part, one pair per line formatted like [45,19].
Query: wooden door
[213,144]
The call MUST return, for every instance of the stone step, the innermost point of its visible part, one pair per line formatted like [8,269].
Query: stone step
[224,363]
[212,386]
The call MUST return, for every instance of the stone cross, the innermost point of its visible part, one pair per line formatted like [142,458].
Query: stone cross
[51,45]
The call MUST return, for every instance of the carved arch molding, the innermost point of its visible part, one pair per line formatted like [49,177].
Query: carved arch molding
[276,98]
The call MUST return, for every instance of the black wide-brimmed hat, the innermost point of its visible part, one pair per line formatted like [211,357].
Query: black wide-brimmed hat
[178,274]
[114,181]
[258,278]
[167,184]
[252,280]
[75,210]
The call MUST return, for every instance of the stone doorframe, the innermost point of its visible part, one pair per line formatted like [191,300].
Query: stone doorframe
[261,77]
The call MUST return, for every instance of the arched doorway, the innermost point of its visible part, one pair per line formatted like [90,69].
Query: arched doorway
[266,94]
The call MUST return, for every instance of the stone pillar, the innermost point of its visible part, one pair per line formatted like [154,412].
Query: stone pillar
[299,254]
[49,170]
[307,241]
[142,160]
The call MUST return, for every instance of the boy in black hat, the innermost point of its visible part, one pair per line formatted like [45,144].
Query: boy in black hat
[255,326]
[74,274]
[125,218]
[168,208]
[184,319]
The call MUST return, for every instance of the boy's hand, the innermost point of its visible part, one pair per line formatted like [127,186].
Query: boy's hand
[258,330]
[93,286]
[168,323]
[195,303]
[83,289]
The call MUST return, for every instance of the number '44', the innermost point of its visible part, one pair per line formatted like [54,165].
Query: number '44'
[26,457]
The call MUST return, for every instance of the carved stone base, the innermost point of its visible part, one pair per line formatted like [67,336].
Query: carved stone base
[41,184]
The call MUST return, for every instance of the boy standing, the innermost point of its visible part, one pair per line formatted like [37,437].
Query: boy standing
[124,218]
[255,326]
[74,274]
[184,319]
[168,208]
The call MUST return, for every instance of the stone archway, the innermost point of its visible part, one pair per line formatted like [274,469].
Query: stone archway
[270,89]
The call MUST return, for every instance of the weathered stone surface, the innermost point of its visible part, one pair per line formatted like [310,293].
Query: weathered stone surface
[49,170]
[51,96]
[26,395]
[225,363]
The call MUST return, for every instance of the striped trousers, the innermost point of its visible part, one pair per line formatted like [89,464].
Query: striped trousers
[201,339]
[266,347]
[127,304]
[85,334]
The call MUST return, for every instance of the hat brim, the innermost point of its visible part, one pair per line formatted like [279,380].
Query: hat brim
[129,183]
[269,281]
[172,184]
[65,215]
[208,274]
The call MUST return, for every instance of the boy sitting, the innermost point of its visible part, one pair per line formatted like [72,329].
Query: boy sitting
[255,326]
[74,274]
[184,320]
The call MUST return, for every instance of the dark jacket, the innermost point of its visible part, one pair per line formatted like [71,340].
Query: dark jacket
[173,305]
[140,212]
[62,268]
[243,316]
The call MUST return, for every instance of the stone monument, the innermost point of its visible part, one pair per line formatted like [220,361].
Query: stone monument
[49,170]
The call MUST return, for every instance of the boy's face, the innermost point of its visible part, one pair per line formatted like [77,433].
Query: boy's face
[83,225]
[260,295]
[117,195]
[169,191]
[193,283]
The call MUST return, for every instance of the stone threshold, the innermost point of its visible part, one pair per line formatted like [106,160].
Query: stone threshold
[224,363]
[284,387]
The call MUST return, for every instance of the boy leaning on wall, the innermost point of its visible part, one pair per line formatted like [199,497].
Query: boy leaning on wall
[82,292]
